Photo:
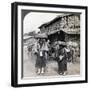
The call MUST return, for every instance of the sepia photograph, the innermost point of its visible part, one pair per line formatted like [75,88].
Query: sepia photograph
[51,44]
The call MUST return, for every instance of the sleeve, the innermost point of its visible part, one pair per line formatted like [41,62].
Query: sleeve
[65,53]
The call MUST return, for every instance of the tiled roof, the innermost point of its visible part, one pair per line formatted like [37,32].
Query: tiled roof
[55,19]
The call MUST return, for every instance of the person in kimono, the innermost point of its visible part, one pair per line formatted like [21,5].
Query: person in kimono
[41,60]
[62,60]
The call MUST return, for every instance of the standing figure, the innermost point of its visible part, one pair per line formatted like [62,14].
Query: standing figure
[62,60]
[40,61]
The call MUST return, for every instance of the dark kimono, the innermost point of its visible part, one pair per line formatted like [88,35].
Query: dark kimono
[41,60]
[62,61]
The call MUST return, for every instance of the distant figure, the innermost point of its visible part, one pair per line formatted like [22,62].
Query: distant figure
[36,47]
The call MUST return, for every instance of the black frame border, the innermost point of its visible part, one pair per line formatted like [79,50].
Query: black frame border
[14,43]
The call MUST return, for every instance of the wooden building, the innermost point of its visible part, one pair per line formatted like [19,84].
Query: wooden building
[64,28]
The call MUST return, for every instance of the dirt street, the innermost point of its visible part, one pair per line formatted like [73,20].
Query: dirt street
[51,68]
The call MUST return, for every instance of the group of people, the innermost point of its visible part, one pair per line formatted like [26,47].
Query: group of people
[41,51]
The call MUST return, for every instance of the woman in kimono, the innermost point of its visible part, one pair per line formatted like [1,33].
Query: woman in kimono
[62,60]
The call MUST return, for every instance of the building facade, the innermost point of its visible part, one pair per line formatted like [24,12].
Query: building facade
[64,28]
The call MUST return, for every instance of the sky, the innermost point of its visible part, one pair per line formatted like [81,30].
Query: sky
[34,19]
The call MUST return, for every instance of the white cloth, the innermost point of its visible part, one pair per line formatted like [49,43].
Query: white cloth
[41,54]
[61,57]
